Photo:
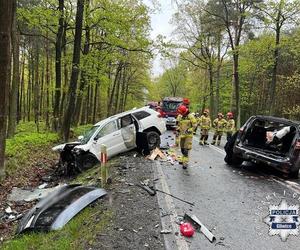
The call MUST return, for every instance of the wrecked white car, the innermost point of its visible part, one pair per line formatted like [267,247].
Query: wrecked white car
[120,133]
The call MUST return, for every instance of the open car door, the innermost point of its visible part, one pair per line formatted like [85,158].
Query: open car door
[128,130]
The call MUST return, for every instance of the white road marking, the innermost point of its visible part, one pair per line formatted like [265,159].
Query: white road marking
[289,184]
[180,242]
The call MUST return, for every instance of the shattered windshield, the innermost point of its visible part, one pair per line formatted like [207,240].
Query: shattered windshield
[170,106]
[88,134]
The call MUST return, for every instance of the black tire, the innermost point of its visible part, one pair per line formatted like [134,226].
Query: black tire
[86,161]
[153,139]
[231,158]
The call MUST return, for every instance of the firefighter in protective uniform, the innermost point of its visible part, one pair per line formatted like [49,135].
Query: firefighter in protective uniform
[205,124]
[186,126]
[230,128]
[220,125]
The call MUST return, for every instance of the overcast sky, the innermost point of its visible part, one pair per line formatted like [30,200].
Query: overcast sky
[160,23]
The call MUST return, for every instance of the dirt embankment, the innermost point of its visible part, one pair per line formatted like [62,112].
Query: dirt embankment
[134,221]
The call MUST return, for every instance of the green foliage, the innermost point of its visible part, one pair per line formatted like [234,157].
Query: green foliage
[80,130]
[28,143]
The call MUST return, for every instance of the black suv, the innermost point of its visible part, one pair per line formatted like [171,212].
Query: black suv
[269,140]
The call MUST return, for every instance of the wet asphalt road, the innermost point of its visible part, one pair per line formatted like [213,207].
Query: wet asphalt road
[230,201]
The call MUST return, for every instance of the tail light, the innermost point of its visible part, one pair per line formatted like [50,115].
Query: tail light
[297,144]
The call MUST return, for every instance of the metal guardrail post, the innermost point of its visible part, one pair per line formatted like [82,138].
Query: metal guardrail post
[104,167]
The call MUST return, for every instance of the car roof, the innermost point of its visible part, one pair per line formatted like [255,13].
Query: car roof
[146,108]
[277,119]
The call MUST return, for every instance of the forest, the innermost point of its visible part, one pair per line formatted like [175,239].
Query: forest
[65,63]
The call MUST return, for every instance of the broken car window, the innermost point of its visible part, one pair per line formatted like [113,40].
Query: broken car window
[87,136]
[107,129]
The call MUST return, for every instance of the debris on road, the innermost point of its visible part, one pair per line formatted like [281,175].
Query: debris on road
[156,152]
[199,226]
[8,210]
[18,194]
[190,203]
[165,231]
[42,186]
[186,229]
[151,191]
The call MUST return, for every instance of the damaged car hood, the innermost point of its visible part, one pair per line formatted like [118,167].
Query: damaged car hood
[60,147]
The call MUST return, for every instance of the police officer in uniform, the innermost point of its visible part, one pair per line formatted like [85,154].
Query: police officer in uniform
[205,124]
[219,125]
[186,126]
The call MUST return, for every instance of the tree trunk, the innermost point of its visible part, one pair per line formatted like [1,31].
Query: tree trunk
[112,94]
[6,13]
[217,103]
[48,84]
[75,71]
[36,94]
[21,109]
[272,93]
[58,49]
[65,84]
[211,91]
[13,102]
[236,92]
[95,103]
[83,75]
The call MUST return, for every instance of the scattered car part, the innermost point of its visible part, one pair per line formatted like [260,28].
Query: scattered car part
[59,207]
[177,198]
[150,191]
[186,229]
[199,226]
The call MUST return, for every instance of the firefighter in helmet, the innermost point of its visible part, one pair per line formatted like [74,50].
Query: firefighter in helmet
[219,125]
[205,124]
[186,125]
[230,128]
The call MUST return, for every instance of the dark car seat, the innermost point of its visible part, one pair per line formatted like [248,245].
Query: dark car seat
[257,136]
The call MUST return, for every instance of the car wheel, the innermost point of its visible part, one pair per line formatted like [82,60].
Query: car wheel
[86,161]
[231,158]
[153,139]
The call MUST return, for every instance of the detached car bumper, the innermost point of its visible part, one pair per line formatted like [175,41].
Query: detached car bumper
[282,164]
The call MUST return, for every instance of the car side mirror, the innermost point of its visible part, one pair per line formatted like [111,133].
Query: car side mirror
[80,137]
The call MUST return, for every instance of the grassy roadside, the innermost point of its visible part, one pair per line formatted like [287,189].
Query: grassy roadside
[29,150]
[22,149]
[28,145]
[80,233]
